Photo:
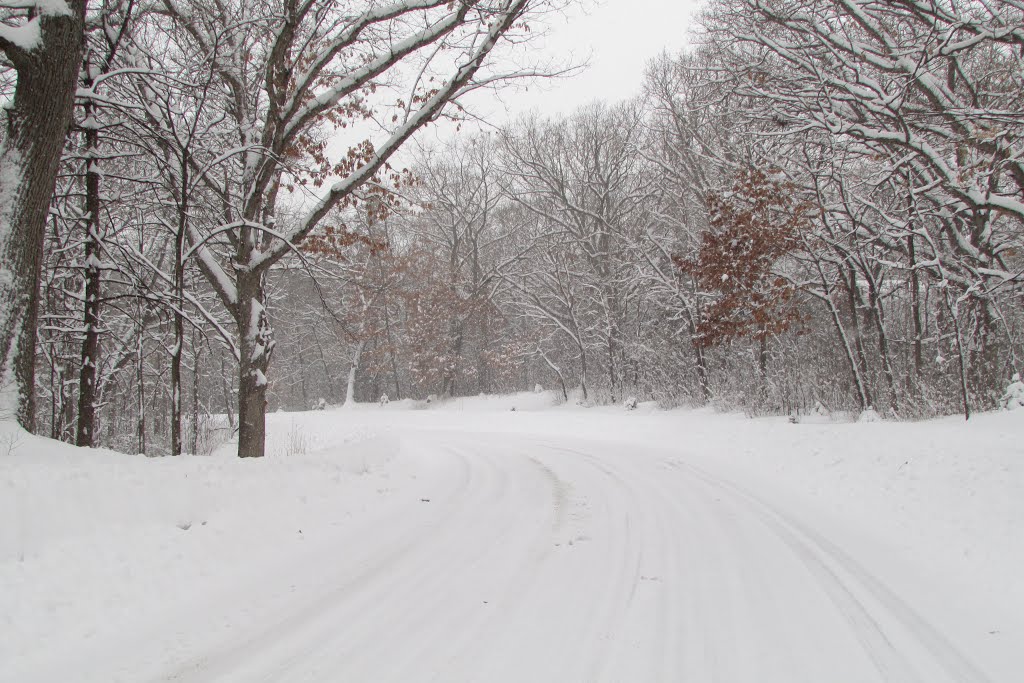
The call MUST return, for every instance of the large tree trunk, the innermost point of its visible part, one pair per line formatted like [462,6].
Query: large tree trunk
[252,409]
[37,125]
[256,345]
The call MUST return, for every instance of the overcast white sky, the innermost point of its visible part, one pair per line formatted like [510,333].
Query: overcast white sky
[618,37]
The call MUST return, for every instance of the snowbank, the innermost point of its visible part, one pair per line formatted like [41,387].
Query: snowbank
[90,538]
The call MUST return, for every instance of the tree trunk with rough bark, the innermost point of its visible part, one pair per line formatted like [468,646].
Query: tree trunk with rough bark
[256,345]
[37,124]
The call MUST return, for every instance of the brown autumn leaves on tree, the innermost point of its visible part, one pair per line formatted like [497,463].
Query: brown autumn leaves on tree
[753,226]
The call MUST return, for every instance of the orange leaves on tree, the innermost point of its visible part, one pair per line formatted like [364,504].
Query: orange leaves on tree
[338,243]
[752,228]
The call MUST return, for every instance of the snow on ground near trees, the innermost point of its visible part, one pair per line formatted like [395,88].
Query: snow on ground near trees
[466,541]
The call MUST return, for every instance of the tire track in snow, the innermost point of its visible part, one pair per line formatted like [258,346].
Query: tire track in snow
[428,606]
[657,550]
[413,600]
[693,641]
[728,544]
[387,552]
[473,637]
[615,515]
[829,563]
[471,598]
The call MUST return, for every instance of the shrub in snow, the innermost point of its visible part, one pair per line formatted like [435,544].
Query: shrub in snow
[9,443]
[631,403]
[297,443]
[869,415]
[384,400]
[1014,396]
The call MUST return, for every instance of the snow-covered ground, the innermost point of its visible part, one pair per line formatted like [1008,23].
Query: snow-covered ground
[465,541]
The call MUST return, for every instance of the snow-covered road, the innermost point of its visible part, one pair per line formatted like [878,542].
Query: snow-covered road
[500,556]
[534,561]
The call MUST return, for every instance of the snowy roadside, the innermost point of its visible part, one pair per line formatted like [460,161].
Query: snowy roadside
[92,538]
[946,494]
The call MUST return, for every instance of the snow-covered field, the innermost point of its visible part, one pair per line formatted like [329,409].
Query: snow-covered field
[471,542]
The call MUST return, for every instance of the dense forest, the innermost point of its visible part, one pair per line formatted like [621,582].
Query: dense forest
[818,206]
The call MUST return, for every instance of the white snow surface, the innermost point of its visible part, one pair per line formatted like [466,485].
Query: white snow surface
[28,36]
[466,541]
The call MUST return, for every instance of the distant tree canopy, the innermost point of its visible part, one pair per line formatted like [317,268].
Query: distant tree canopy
[821,203]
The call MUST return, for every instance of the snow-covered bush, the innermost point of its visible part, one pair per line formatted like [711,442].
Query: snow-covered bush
[869,415]
[10,442]
[1013,398]
[214,432]
[298,443]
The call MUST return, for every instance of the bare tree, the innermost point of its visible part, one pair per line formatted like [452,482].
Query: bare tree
[294,68]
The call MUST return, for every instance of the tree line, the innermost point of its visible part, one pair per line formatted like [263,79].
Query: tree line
[148,150]
[818,206]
